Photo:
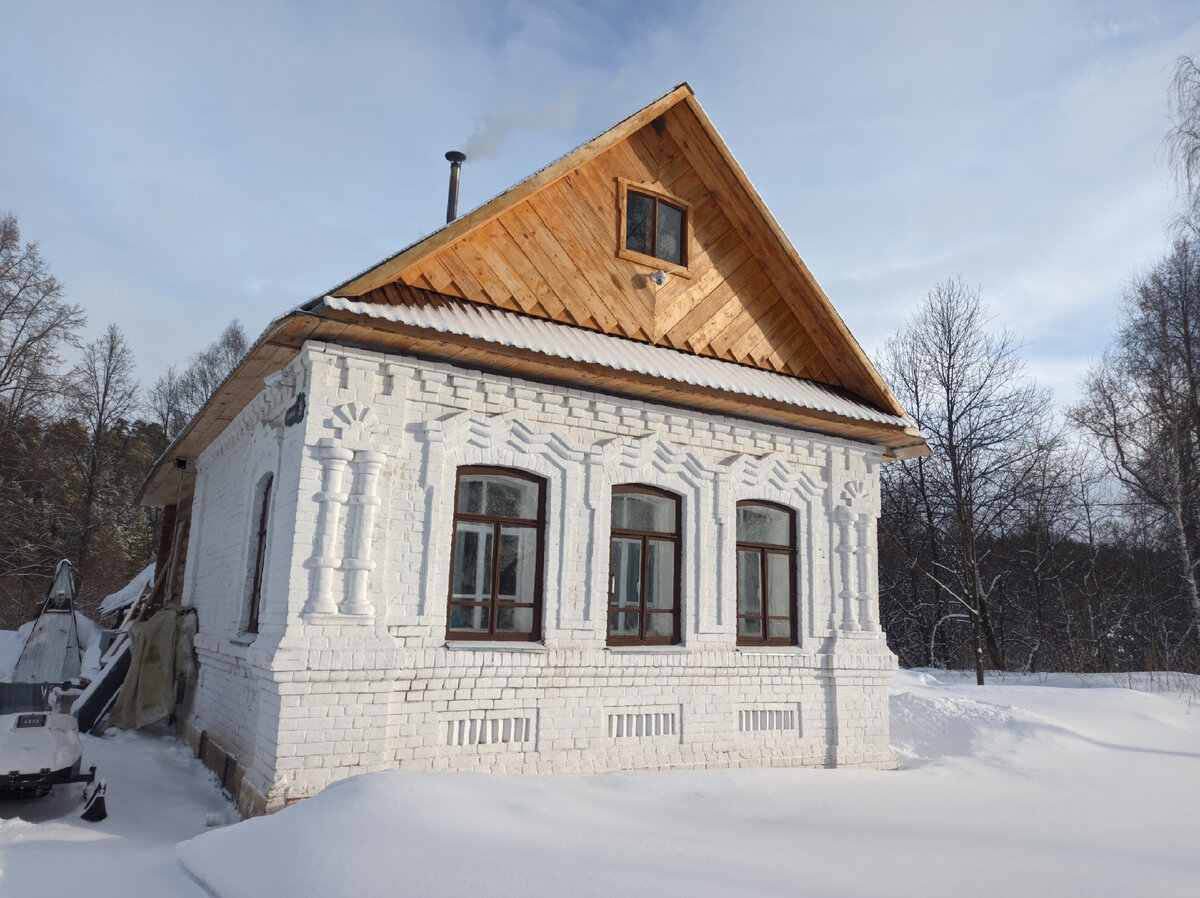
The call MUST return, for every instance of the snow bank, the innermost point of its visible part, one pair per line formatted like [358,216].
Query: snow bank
[1081,787]
[11,644]
[1031,786]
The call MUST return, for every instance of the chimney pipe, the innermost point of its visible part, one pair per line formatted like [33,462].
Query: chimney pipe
[456,160]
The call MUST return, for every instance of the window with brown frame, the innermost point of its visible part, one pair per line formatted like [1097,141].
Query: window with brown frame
[766,560]
[643,595]
[260,554]
[498,555]
[654,228]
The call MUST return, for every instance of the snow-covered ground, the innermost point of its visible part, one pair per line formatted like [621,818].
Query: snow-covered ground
[1029,786]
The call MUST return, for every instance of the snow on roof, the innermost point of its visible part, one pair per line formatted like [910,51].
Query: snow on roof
[125,596]
[576,344]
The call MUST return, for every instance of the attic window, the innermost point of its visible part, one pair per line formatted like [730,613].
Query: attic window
[655,228]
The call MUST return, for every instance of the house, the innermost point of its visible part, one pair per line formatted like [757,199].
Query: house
[586,480]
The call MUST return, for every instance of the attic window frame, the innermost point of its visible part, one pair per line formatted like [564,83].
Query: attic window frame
[624,185]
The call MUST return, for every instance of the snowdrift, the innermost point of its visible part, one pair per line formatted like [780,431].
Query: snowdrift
[1068,786]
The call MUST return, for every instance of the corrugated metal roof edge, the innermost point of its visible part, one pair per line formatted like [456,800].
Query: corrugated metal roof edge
[581,345]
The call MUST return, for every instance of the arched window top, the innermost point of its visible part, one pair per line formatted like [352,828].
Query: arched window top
[644,509]
[499,493]
[765,524]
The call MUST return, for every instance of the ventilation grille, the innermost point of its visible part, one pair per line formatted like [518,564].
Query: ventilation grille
[642,724]
[766,720]
[489,731]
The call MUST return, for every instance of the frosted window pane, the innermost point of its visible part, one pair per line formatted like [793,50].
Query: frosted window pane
[749,626]
[514,620]
[749,583]
[641,511]
[470,617]
[660,591]
[497,495]
[779,584]
[623,623]
[660,625]
[760,524]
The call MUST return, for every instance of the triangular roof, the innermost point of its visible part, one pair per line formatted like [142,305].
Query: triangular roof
[548,249]
[756,303]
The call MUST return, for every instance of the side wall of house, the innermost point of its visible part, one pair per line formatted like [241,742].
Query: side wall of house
[352,671]
[231,716]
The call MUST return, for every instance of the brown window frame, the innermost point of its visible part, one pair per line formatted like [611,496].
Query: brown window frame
[260,553]
[645,536]
[764,549]
[624,187]
[538,525]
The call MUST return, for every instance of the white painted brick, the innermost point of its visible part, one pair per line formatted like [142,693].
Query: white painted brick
[323,699]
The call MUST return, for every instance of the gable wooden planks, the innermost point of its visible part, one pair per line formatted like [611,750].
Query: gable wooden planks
[553,254]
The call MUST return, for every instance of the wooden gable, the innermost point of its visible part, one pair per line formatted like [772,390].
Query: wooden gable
[551,248]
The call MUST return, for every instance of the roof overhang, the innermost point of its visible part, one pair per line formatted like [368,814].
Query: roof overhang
[448,330]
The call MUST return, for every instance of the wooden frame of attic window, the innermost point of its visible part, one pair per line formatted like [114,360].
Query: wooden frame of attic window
[624,187]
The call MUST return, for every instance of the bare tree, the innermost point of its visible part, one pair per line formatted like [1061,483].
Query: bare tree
[1183,140]
[209,368]
[35,323]
[1142,405]
[164,402]
[988,427]
[103,395]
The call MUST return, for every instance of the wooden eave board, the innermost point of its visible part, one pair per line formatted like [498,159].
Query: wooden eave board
[547,248]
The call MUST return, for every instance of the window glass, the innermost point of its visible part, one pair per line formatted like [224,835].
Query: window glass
[642,511]
[639,219]
[626,571]
[763,524]
[472,561]
[518,564]
[470,617]
[260,555]
[749,583]
[779,584]
[670,234]
[498,496]
[660,575]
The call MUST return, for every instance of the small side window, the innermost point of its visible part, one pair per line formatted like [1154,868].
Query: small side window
[260,554]
[655,229]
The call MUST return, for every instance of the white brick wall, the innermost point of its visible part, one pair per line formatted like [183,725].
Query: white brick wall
[351,671]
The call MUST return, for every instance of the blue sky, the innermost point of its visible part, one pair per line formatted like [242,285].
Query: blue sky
[185,164]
